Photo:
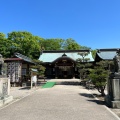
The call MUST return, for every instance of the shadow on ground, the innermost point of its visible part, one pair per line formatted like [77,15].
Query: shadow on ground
[100,102]
[86,95]
[25,88]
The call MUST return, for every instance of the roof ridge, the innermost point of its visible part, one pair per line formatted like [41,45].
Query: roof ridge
[108,49]
[63,51]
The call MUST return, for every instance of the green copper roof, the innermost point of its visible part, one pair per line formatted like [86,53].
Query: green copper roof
[50,56]
[107,54]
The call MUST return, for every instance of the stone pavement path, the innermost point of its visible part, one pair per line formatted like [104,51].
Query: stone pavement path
[62,102]
[20,92]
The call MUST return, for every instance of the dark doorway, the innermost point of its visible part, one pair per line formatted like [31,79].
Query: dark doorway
[65,72]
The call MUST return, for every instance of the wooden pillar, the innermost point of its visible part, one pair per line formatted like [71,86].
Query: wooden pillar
[56,75]
[73,70]
[31,80]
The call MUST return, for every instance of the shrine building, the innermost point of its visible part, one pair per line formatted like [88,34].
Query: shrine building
[61,64]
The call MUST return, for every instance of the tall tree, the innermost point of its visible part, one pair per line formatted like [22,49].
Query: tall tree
[39,67]
[83,65]
[4,45]
[99,75]
[85,48]
[52,44]
[70,44]
[93,53]
[25,43]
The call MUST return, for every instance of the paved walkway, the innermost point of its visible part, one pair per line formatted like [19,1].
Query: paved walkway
[62,102]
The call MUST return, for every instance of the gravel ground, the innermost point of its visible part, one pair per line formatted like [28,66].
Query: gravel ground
[20,93]
[101,99]
[62,102]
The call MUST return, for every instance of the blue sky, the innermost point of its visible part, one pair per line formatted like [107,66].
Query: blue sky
[92,23]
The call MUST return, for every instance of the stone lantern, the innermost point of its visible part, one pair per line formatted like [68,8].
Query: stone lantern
[113,85]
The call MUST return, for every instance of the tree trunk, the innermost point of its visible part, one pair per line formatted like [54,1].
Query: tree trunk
[101,90]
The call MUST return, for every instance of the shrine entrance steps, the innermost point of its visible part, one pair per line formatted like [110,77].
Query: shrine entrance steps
[65,81]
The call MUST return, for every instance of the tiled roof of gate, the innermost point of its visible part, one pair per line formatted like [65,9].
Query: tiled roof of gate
[23,57]
[106,54]
[50,56]
[18,56]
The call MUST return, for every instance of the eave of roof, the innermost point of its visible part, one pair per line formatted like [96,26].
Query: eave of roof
[13,59]
[63,51]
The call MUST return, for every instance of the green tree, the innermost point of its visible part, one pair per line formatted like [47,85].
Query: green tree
[39,67]
[52,44]
[83,65]
[93,53]
[70,44]
[25,43]
[38,47]
[85,48]
[4,45]
[99,75]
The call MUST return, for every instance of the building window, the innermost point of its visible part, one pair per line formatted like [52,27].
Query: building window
[23,71]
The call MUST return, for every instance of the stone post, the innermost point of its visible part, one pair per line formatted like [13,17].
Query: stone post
[8,86]
[5,91]
[4,84]
[113,97]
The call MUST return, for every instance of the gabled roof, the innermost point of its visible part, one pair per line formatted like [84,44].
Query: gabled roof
[23,57]
[18,57]
[106,54]
[50,56]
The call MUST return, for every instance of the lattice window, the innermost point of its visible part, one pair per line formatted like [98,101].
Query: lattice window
[24,71]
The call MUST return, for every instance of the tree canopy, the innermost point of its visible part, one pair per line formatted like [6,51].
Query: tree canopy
[4,45]
[30,45]
[99,75]
[83,65]
[70,44]
[52,44]
[24,43]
